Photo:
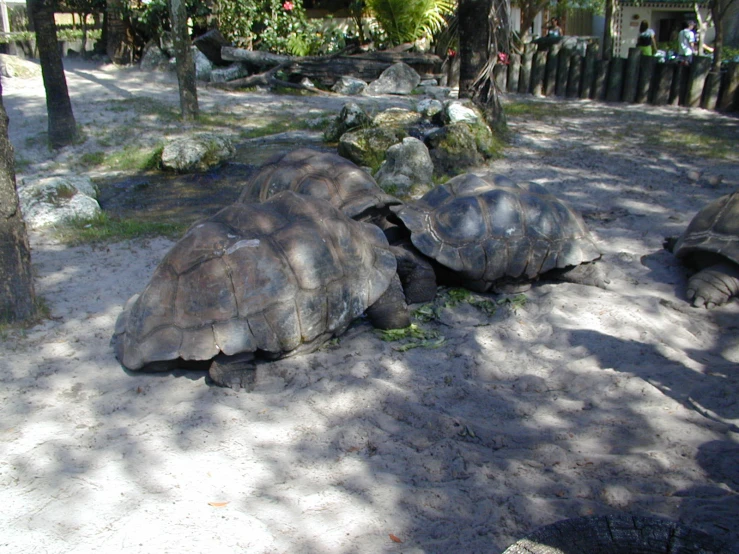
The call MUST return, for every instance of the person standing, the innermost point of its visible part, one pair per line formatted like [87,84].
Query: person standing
[553,29]
[686,40]
[646,41]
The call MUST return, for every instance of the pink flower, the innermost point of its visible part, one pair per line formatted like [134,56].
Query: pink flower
[503,58]
[451,53]
[288,6]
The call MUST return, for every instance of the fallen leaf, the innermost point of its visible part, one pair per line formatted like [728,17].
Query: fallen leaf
[354,449]
[217,504]
[394,538]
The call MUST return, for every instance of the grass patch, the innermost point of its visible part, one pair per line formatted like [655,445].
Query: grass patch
[92,159]
[147,106]
[283,125]
[105,228]
[711,143]
[535,110]
[135,158]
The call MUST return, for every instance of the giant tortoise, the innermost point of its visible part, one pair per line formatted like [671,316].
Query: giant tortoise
[271,279]
[492,234]
[320,175]
[710,244]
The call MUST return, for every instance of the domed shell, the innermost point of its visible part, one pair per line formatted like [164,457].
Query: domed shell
[489,228]
[320,175]
[713,230]
[256,277]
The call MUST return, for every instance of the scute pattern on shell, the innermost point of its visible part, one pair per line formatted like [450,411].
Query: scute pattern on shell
[320,175]
[489,228]
[714,229]
[265,277]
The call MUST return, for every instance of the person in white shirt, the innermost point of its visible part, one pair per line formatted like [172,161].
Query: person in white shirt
[686,40]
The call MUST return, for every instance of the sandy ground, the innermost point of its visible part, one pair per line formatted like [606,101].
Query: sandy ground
[581,401]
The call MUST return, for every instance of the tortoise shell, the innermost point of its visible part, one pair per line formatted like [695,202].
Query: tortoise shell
[489,229]
[713,232]
[320,175]
[270,277]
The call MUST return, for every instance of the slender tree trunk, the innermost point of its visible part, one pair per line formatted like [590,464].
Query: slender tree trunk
[62,126]
[185,62]
[17,296]
[117,44]
[607,49]
[474,34]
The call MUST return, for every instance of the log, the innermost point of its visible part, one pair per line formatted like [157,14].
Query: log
[615,80]
[588,77]
[575,76]
[550,83]
[663,83]
[210,45]
[600,84]
[563,71]
[538,71]
[644,88]
[253,57]
[711,91]
[697,76]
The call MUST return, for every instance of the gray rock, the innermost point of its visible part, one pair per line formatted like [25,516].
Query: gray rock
[349,86]
[231,73]
[453,149]
[352,116]
[429,83]
[196,153]
[367,147]
[396,117]
[13,66]
[430,107]
[54,200]
[399,78]
[154,58]
[458,112]
[440,93]
[407,168]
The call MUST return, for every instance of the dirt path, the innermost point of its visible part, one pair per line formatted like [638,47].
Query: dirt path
[578,401]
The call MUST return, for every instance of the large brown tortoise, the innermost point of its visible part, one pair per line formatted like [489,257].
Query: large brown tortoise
[710,245]
[271,279]
[488,233]
[320,175]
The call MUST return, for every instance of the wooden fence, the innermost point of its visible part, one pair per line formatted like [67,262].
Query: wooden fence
[579,72]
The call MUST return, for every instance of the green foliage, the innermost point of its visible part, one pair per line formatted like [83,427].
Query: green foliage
[412,336]
[135,158]
[150,20]
[408,20]
[104,228]
[277,26]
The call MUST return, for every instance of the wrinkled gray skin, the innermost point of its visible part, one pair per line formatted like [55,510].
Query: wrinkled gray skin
[710,245]
[319,175]
[272,279]
[488,233]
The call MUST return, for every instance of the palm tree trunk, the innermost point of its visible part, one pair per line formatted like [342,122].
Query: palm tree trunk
[62,126]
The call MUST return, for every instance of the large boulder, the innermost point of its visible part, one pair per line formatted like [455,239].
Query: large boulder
[13,66]
[397,117]
[367,147]
[351,117]
[349,86]
[407,169]
[196,153]
[460,112]
[154,58]
[399,78]
[55,200]
[453,149]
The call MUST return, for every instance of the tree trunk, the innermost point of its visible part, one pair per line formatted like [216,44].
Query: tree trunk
[117,44]
[474,36]
[607,49]
[17,296]
[62,126]
[185,62]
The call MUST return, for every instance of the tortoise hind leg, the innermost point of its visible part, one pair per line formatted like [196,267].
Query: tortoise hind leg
[390,311]
[714,286]
[235,372]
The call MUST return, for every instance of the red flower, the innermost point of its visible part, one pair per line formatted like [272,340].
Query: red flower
[288,6]
[503,58]
[451,53]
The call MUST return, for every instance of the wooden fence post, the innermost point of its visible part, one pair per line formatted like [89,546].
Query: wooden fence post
[646,84]
[729,97]
[677,90]
[514,70]
[711,90]
[699,69]
[538,72]
[574,78]
[600,85]
[563,71]
[588,72]
[524,82]
[631,76]
[615,80]
[550,83]
[663,83]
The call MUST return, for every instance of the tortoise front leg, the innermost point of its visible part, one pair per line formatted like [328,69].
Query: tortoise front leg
[235,372]
[714,285]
